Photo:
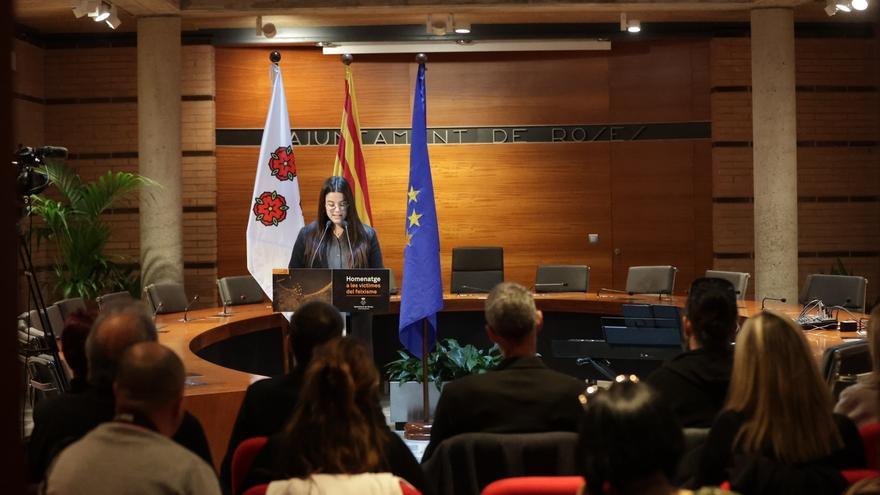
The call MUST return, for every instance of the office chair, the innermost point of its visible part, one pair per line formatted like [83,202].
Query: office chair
[243,458]
[112,298]
[740,280]
[835,290]
[476,269]
[651,279]
[239,289]
[841,364]
[562,278]
[169,297]
[69,306]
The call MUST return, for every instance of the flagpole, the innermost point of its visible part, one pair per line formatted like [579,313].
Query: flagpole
[425,401]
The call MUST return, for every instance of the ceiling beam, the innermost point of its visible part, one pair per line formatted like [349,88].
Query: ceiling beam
[143,8]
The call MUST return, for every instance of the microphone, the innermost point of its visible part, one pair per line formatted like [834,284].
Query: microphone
[326,226]
[226,304]
[472,288]
[159,307]
[186,309]
[347,238]
[51,152]
[547,285]
[600,291]
[764,301]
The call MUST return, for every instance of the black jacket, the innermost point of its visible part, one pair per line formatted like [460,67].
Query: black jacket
[64,419]
[522,395]
[266,408]
[297,257]
[694,385]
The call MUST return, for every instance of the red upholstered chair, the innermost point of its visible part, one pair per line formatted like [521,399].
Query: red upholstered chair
[535,485]
[870,434]
[408,489]
[243,458]
[855,475]
[257,490]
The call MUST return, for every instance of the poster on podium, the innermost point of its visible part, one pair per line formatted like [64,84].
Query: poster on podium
[350,290]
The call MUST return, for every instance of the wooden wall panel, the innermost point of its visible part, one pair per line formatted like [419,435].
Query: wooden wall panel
[655,198]
[675,91]
[538,201]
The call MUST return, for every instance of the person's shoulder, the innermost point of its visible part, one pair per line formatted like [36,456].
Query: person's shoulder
[370,231]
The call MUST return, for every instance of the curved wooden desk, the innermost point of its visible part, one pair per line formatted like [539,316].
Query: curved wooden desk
[214,393]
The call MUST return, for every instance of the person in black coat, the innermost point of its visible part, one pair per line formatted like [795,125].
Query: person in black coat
[694,383]
[61,420]
[337,426]
[268,404]
[522,394]
[338,239]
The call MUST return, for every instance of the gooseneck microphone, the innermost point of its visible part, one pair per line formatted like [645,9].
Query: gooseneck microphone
[475,289]
[764,301]
[320,241]
[186,309]
[543,285]
[347,238]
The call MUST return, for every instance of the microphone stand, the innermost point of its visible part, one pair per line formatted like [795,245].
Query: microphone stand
[347,238]
[326,226]
[186,309]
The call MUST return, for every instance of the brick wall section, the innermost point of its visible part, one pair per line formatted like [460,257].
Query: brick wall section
[838,180]
[110,127]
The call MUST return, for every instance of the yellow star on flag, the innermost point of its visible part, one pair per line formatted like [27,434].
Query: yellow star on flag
[413,195]
[409,239]
[414,219]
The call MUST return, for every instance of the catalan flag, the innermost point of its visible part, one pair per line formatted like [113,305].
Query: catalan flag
[350,157]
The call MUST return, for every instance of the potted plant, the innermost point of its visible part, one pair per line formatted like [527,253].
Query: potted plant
[76,227]
[449,361]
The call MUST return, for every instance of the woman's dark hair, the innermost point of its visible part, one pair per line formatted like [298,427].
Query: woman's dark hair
[337,426]
[360,244]
[73,341]
[627,436]
[711,309]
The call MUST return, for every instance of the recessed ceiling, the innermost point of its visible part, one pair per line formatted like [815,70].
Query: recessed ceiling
[55,16]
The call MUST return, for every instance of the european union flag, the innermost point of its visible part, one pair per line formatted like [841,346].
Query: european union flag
[422,288]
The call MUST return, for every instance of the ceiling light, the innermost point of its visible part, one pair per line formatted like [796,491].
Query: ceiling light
[268,30]
[634,26]
[103,12]
[80,8]
[461,27]
[113,21]
[830,7]
[860,4]
[93,8]
[843,6]
[439,24]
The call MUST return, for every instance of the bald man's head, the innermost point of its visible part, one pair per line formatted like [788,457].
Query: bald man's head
[150,378]
[117,328]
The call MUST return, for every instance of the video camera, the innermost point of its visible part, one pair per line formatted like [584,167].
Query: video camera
[27,159]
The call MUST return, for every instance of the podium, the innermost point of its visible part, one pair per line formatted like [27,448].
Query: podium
[358,290]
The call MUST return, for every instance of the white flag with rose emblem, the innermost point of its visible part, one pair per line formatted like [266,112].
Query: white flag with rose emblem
[275,215]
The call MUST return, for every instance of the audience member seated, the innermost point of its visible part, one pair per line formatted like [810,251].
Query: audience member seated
[132,454]
[522,395]
[861,402]
[268,403]
[777,433]
[337,426]
[73,345]
[64,419]
[630,441]
[694,383]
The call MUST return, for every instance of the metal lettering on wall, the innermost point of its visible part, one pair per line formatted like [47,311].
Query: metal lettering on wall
[484,135]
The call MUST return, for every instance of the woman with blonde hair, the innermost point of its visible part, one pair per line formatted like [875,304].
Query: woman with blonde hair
[776,433]
[861,402]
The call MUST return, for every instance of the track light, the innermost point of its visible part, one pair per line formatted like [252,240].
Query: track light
[631,25]
[268,30]
[843,6]
[81,8]
[859,4]
[103,12]
[462,27]
[439,24]
[113,21]
[830,8]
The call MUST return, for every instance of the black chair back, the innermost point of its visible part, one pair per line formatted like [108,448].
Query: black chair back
[476,269]
[562,278]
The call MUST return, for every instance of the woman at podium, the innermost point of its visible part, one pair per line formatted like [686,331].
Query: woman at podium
[338,239]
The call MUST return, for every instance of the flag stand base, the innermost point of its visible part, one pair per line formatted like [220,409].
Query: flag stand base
[417,430]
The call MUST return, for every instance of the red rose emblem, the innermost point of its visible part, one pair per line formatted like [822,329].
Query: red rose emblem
[270,208]
[282,164]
